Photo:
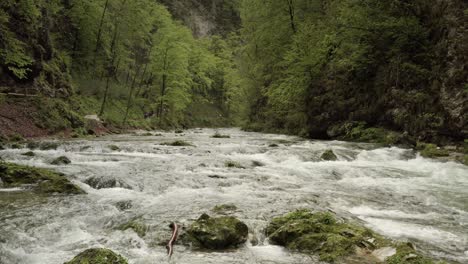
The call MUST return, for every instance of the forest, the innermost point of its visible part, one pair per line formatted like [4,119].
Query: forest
[308,67]
[233,131]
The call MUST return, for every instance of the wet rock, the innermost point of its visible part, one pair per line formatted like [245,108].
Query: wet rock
[94,126]
[216,177]
[217,233]
[178,143]
[16,146]
[274,145]
[113,147]
[139,228]
[224,208]
[431,151]
[98,256]
[124,205]
[42,180]
[257,163]
[29,154]
[319,233]
[329,155]
[406,254]
[62,160]
[219,135]
[33,145]
[48,146]
[179,131]
[233,164]
[106,183]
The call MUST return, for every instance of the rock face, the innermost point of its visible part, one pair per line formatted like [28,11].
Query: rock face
[139,228]
[62,160]
[98,256]
[106,182]
[329,155]
[43,181]
[218,233]
[336,240]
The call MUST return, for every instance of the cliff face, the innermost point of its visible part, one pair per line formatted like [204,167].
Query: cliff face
[454,49]
[206,17]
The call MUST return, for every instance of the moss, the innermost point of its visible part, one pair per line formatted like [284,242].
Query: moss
[224,208]
[113,147]
[44,181]
[29,154]
[16,138]
[320,233]
[98,256]
[329,155]
[233,164]
[178,143]
[139,228]
[218,233]
[407,255]
[431,151]
[219,135]
[62,160]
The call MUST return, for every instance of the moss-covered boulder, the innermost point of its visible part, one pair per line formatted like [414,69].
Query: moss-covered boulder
[139,228]
[98,256]
[431,151]
[218,232]
[233,164]
[219,135]
[62,160]
[329,155]
[41,180]
[338,240]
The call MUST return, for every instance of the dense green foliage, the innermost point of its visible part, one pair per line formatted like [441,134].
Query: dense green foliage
[114,51]
[308,65]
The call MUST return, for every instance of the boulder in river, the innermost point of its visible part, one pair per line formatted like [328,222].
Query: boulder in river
[42,180]
[139,228]
[218,232]
[337,240]
[106,182]
[62,160]
[329,155]
[29,154]
[98,256]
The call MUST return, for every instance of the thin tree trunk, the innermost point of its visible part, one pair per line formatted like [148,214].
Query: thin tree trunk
[98,38]
[291,14]
[129,101]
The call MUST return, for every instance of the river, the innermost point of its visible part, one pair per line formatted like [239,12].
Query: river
[391,190]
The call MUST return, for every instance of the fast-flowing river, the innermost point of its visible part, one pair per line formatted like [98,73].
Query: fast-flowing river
[392,190]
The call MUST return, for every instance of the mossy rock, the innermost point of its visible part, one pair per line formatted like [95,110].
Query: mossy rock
[329,155]
[218,233]
[431,151]
[406,254]
[178,143]
[44,181]
[218,135]
[16,146]
[139,228]
[179,131]
[62,160]
[98,256]
[224,208]
[233,164]
[16,138]
[113,147]
[274,145]
[124,205]
[29,154]
[48,146]
[320,233]
[105,182]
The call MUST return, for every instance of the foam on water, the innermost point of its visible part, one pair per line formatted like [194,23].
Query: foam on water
[392,190]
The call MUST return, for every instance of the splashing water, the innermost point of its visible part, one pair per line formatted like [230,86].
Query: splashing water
[392,190]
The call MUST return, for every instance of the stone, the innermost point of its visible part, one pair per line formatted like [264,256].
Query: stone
[106,183]
[98,256]
[329,155]
[62,160]
[218,233]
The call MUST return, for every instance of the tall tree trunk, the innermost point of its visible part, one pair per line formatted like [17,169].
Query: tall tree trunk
[291,14]
[129,101]
[98,38]
[163,87]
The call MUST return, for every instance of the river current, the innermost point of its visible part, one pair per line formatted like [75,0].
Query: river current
[393,191]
